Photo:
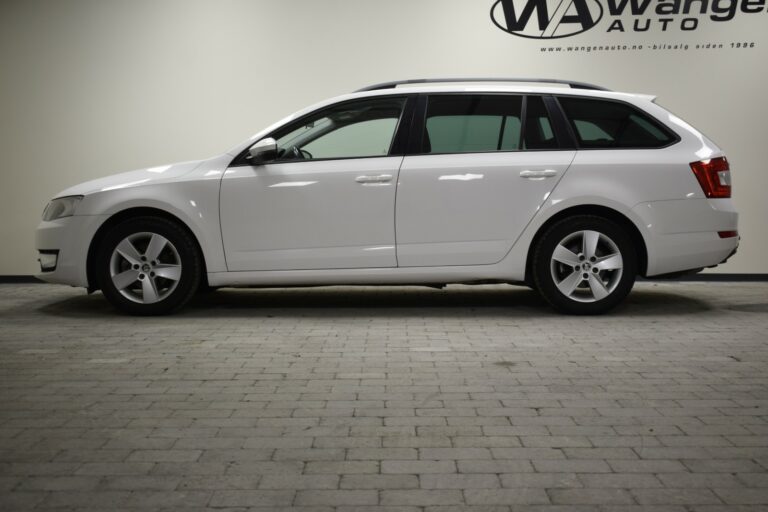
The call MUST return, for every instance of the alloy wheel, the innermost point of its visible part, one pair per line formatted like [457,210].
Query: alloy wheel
[145,267]
[586,266]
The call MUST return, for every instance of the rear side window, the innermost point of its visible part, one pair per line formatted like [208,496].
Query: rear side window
[472,124]
[611,124]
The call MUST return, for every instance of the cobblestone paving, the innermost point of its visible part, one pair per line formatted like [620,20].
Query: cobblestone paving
[386,399]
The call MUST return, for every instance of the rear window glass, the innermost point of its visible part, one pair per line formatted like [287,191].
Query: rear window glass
[481,123]
[472,124]
[611,124]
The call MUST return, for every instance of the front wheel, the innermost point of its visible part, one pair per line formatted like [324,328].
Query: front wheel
[148,266]
[584,265]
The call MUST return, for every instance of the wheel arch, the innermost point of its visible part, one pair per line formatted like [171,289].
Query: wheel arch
[619,218]
[130,213]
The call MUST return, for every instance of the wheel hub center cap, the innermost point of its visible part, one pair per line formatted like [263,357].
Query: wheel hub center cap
[145,267]
[586,266]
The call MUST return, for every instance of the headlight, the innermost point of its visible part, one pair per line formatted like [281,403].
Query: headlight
[61,207]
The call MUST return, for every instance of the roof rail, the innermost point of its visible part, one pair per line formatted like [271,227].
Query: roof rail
[392,85]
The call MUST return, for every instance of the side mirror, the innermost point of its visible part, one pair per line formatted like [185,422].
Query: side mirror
[264,150]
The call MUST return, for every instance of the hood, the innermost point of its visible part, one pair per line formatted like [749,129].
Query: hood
[132,179]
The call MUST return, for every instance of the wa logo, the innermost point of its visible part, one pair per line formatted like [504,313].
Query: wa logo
[546,19]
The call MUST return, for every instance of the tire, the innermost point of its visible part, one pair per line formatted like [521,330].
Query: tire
[602,252]
[148,266]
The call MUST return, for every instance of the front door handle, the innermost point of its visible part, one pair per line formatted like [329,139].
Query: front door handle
[379,178]
[546,173]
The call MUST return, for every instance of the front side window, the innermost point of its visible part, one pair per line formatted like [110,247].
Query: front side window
[356,129]
[611,124]
[472,124]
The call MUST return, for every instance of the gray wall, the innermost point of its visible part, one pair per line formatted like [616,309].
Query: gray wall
[93,87]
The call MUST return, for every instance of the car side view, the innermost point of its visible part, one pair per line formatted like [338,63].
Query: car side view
[566,187]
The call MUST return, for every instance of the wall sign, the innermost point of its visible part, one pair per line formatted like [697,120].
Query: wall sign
[558,19]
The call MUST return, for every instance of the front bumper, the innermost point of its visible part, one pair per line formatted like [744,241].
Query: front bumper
[62,246]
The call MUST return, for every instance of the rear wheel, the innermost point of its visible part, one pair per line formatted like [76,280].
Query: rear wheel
[148,266]
[584,265]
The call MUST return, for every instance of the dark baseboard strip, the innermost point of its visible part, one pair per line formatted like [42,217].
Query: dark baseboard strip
[19,279]
[687,278]
[715,277]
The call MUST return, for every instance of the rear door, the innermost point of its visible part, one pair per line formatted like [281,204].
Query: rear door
[483,166]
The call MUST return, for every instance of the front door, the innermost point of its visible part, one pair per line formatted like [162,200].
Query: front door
[326,202]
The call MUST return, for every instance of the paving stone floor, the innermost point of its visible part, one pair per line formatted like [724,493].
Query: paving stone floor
[386,399]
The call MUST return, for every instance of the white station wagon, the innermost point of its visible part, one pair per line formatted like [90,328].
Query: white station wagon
[565,187]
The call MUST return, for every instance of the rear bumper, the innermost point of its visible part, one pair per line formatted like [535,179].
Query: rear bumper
[685,251]
[683,234]
[69,239]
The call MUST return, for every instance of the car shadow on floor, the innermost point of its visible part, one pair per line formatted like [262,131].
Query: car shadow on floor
[412,301]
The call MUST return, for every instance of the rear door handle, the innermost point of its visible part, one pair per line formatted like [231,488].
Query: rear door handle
[380,178]
[545,173]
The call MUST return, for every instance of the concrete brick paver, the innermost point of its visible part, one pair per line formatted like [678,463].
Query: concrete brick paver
[386,400]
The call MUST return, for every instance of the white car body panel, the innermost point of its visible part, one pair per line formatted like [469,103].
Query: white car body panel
[188,191]
[310,215]
[142,177]
[468,209]
[418,228]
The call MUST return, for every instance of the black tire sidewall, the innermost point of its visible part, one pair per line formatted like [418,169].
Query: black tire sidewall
[188,253]
[542,257]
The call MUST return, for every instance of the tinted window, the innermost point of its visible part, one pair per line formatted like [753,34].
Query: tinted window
[470,124]
[610,124]
[538,129]
[351,130]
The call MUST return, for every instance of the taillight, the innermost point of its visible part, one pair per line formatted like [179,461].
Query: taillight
[714,176]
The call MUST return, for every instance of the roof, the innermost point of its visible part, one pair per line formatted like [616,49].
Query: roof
[513,85]
[570,83]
